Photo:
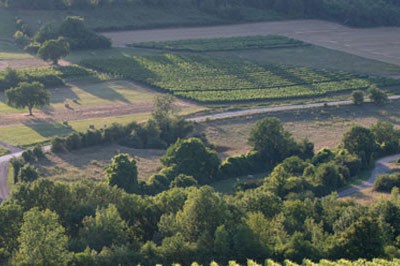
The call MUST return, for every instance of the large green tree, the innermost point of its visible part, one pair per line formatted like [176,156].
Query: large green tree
[42,240]
[360,141]
[28,95]
[54,50]
[271,139]
[123,173]
[191,157]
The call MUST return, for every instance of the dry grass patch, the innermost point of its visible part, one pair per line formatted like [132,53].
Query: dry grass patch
[90,163]
[323,126]
[368,196]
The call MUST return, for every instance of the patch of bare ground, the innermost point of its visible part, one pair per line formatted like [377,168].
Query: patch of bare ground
[367,196]
[381,44]
[90,163]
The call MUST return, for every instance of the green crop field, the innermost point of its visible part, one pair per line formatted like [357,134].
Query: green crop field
[225,44]
[211,80]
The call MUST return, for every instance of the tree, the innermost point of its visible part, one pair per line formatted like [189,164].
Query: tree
[271,139]
[105,229]
[357,97]
[27,173]
[54,50]
[377,96]
[42,240]
[363,239]
[123,173]
[387,137]
[28,95]
[191,157]
[360,141]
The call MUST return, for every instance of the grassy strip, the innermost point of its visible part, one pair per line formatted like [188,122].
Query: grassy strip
[28,135]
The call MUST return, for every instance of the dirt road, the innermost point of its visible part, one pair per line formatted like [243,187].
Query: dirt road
[381,167]
[381,44]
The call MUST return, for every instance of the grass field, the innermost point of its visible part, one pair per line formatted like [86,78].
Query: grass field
[323,126]
[90,163]
[89,94]
[30,134]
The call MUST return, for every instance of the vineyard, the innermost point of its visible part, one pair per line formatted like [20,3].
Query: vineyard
[210,80]
[224,44]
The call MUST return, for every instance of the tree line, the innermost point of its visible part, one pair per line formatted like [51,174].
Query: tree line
[352,12]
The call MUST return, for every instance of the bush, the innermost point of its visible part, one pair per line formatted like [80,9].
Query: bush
[357,97]
[377,96]
[21,38]
[27,173]
[385,183]
[183,181]
[58,145]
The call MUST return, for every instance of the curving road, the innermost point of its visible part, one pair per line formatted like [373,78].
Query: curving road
[380,166]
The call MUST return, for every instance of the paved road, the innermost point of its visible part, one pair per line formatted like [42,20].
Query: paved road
[4,161]
[380,43]
[381,167]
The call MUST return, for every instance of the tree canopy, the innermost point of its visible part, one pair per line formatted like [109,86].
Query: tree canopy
[28,95]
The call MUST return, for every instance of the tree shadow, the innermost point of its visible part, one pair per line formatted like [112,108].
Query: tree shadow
[59,95]
[48,129]
[102,90]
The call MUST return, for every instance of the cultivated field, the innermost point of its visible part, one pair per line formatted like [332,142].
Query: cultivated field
[377,43]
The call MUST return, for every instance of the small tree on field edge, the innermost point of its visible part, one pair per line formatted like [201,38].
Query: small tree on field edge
[28,95]
[54,50]
[357,97]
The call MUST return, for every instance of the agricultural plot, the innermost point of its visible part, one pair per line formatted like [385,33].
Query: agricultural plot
[225,44]
[216,80]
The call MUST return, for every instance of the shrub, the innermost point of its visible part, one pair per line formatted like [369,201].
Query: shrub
[58,145]
[377,96]
[357,97]
[27,173]
[183,181]
[385,183]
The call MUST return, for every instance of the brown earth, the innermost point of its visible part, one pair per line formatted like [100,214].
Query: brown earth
[381,44]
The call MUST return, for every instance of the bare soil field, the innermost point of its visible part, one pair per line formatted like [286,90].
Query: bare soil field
[381,44]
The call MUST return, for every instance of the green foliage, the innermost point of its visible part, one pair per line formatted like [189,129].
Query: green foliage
[385,183]
[183,181]
[10,224]
[270,139]
[225,44]
[122,172]
[360,141]
[386,137]
[377,96]
[27,173]
[191,157]
[54,50]
[357,97]
[42,240]
[28,95]
[188,76]
[105,229]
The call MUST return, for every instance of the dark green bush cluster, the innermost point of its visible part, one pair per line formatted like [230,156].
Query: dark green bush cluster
[23,171]
[76,34]
[134,135]
[385,183]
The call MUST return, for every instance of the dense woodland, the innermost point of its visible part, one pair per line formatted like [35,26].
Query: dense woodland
[351,12]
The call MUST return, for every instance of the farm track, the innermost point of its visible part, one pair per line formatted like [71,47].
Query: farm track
[379,167]
[382,44]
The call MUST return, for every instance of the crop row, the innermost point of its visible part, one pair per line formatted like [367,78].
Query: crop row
[224,44]
[207,79]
